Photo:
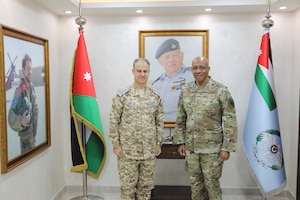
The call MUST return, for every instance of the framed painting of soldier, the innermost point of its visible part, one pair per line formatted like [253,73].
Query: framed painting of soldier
[170,53]
[25,103]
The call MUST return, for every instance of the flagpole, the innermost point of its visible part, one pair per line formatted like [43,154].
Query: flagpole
[267,23]
[84,173]
[82,21]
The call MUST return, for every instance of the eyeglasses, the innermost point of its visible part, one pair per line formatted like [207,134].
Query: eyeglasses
[201,68]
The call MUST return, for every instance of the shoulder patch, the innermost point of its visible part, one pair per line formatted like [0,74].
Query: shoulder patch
[121,92]
[231,103]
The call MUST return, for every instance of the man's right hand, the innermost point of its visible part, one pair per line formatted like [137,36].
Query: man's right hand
[119,152]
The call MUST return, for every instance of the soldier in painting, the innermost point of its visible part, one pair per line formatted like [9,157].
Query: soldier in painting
[168,85]
[23,112]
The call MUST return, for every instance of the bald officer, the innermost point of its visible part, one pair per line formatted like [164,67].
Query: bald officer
[176,75]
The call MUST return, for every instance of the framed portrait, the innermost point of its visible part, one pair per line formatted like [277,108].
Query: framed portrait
[25,102]
[170,53]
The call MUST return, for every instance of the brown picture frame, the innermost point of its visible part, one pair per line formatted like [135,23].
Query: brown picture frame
[14,45]
[192,42]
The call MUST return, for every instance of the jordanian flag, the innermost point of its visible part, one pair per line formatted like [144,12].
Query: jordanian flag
[262,139]
[85,116]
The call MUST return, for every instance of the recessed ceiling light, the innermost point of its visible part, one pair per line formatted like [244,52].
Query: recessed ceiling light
[139,11]
[68,11]
[282,8]
[208,9]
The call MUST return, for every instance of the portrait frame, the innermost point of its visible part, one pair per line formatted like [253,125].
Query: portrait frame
[192,42]
[14,45]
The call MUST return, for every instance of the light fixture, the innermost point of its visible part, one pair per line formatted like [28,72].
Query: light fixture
[282,8]
[139,11]
[68,12]
[208,9]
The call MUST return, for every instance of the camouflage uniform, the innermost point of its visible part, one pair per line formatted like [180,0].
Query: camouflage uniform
[169,90]
[136,125]
[24,99]
[206,124]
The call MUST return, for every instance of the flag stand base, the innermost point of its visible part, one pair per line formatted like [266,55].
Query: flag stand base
[84,174]
[85,196]
[89,197]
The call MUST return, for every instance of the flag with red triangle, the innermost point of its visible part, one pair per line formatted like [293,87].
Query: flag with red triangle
[262,137]
[88,153]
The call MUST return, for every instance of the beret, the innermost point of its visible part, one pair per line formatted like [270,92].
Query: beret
[166,46]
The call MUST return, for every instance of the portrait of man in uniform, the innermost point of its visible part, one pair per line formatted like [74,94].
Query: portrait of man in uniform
[23,111]
[170,53]
[25,96]
[168,85]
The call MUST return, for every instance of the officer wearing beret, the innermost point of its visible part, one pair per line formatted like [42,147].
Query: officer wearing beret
[23,112]
[176,75]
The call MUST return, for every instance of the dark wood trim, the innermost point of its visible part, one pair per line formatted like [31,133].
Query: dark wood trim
[170,151]
[163,192]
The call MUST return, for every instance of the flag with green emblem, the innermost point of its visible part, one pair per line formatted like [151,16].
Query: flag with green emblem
[262,139]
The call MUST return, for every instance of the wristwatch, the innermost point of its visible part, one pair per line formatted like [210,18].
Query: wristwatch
[158,143]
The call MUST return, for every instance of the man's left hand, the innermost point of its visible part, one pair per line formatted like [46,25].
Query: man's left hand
[224,155]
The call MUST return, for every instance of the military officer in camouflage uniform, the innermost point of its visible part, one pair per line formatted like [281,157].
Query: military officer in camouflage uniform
[206,131]
[23,112]
[136,128]
[176,75]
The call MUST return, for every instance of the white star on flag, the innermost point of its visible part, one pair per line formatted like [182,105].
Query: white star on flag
[87,76]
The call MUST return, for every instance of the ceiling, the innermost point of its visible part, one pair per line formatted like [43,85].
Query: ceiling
[163,7]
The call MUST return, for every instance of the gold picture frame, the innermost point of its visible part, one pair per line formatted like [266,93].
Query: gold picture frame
[17,47]
[192,43]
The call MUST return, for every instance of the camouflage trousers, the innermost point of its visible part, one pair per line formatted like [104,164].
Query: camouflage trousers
[204,171]
[137,178]
[27,142]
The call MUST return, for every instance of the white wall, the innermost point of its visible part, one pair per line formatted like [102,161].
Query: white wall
[42,176]
[293,133]
[234,41]
[112,44]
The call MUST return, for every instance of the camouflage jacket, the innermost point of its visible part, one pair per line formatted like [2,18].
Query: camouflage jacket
[136,123]
[206,120]
[24,100]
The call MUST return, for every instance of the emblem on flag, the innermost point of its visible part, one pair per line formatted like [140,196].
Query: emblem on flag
[267,150]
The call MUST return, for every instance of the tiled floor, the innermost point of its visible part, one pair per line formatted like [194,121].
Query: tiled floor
[116,196]
[79,196]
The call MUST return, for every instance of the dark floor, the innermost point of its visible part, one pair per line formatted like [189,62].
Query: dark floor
[171,193]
